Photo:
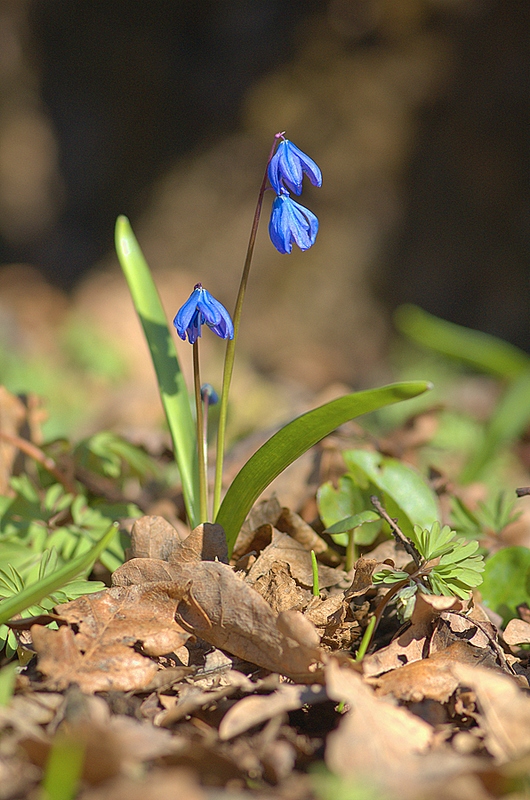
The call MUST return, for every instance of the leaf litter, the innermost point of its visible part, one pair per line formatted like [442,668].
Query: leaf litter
[195,677]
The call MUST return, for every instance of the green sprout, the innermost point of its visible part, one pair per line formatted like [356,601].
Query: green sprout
[444,565]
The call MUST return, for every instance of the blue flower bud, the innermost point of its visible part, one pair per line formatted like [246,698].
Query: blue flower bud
[291,222]
[209,393]
[287,167]
[199,309]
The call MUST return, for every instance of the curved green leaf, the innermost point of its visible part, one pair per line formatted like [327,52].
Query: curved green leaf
[480,350]
[293,440]
[171,384]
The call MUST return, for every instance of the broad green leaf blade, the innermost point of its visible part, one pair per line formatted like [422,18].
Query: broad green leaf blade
[171,384]
[38,591]
[295,439]
[405,493]
[480,350]
[507,581]
[510,418]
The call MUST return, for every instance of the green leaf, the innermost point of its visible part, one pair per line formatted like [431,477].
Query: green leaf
[338,508]
[507,581]
[38,591]
[295,439]
[8,675]
[405,494]
[480,350]
[171,384]
[509,420]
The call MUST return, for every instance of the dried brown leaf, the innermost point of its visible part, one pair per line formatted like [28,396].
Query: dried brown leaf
[303,533]
[430,678]
[517,632]
[113,668]
[297,558]
[264,513]
[251,711]
[207,542]
[153,537]
[142,570]
[412,644]
[221,608]
[504,710]
[126,615]
[169,783]
[374,740]
[100,656]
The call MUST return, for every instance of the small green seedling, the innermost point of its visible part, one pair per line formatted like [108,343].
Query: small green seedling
[443,565]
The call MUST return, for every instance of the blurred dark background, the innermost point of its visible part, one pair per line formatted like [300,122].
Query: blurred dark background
[417,112]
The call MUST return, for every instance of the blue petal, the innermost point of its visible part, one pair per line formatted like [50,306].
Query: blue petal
[287,167]
[291,222]
[184,315]
[308,166]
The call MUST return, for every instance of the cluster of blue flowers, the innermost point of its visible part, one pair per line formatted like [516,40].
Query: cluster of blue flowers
[291,222]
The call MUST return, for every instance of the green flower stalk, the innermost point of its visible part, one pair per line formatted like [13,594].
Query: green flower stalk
[289,222]
[201,308]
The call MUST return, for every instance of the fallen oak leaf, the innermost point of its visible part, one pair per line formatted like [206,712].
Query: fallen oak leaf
[99,657]
[143,613]
[113,668]
[219,607]
[222,609]
[429,678]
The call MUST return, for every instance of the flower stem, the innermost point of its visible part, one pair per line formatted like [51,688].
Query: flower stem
[201,444]
[231,343]
[351,551]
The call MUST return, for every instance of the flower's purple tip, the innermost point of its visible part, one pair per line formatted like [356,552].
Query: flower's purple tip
[288,166]
[201,308]
[291,222]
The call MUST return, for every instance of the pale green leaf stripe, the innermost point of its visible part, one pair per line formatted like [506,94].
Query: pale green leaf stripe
[355,521]
[480,350]
[172,386]
[293,440]
[38,591]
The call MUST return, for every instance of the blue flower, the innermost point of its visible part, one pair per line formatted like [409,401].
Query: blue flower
[291,222]
[287,167]
[199,309]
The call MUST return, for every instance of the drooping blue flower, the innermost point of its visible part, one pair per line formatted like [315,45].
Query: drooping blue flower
[291,222]
[287,168]
[202,309]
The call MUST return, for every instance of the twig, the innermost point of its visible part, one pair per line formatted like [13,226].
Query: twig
[397,533]
[40,456]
